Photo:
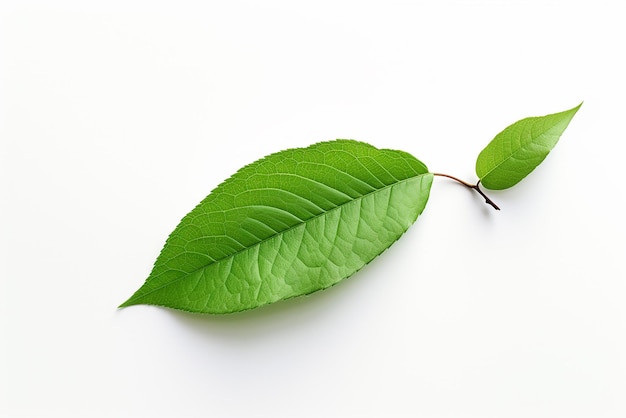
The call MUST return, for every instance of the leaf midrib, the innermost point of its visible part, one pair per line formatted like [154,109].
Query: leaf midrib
[271,237]
[518,150]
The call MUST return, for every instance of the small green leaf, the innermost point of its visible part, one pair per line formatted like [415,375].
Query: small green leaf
[289,224]
[520,148]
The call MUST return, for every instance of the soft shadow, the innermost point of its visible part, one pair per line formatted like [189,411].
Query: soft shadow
[486,210]
[282,317]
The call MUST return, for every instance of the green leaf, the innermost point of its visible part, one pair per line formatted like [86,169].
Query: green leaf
[289,224]
[520,148]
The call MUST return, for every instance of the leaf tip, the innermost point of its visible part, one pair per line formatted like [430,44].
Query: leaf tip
[568,115]
[129,302]
[124,305]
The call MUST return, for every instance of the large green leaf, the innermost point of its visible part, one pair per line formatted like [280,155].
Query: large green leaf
[289,224]
[520,148]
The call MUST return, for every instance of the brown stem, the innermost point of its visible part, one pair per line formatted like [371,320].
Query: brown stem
[475,187]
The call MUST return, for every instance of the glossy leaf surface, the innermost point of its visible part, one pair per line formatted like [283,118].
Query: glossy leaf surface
[290,224]
[520,148]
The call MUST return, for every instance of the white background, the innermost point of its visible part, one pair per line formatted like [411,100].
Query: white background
[118,117]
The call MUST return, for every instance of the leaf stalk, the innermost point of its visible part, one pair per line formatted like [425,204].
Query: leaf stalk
[475,187]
